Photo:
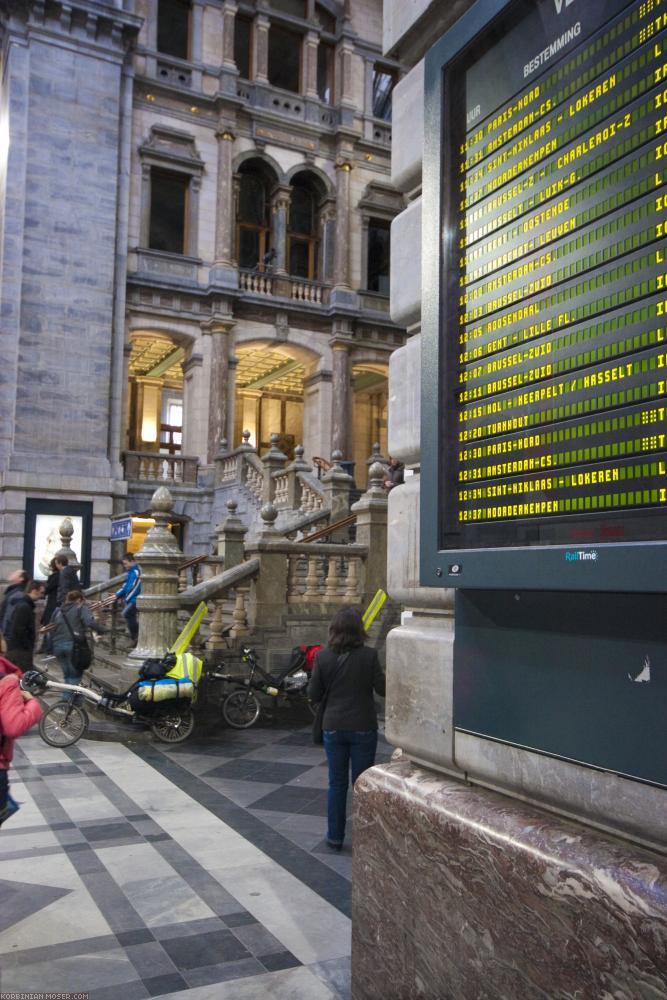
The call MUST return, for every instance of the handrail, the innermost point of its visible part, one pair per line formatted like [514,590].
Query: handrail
[345,522]
[99,588]
[228,578]
[192,562]
[321,463]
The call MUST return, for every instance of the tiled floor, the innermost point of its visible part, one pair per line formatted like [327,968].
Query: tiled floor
[197,871]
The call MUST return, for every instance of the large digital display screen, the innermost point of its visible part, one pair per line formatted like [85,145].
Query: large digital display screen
[553,354]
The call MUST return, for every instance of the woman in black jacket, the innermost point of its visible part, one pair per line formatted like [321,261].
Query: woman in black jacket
[347,673]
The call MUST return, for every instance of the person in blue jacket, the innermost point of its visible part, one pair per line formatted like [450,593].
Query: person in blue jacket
[129,593]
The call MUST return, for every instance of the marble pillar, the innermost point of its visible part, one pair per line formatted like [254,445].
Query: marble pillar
[280,203]
[327,221]
[232,364]
[341,400]
[460,892]
[158,603]
[224,271]
[342,248]
[260,49]
[218,329]
[311,45]
[229,11]
[196,41]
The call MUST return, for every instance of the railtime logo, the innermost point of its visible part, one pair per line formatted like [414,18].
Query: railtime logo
[560,4]
[580,556]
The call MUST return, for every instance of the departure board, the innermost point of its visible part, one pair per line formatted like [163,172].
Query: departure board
[554,268]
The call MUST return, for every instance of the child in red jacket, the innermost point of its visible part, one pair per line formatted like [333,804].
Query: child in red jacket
[19,710]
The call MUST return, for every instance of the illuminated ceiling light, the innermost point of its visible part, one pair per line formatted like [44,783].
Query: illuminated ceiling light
[150,97]
[194,109]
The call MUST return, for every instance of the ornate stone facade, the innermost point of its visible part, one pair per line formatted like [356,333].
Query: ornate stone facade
[150,304]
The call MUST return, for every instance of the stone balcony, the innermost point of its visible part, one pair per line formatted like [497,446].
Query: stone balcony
[168,470]
[269,285]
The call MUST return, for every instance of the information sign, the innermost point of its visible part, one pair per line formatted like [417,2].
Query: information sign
[546,405]
[121,529]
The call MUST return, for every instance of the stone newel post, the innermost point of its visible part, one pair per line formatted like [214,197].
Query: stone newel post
[158,604]
[66,530]
[371,511]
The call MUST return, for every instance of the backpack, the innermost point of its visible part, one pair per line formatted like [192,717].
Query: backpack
[9,607]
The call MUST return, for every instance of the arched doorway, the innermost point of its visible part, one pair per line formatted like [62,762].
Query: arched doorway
[269,397]
[370,387]
[155,410]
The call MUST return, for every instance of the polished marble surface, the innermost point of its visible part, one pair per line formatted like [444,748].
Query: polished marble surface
[195,872]
[462,893]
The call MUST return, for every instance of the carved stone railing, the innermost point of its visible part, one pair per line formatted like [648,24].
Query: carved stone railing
[312,494]
[256,282]
[309,291]
[325,574]
[151,467]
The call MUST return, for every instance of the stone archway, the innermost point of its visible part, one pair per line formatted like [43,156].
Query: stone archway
[370,396]
[155,397]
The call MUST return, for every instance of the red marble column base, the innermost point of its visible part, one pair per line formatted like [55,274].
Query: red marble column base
[462,893]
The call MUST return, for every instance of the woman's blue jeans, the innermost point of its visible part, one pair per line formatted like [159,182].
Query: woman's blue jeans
[346,749]
[63,651]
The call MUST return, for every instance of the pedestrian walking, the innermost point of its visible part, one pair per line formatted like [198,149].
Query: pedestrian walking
[51,595]
[22,630]
[71,621]
[14,592]
[129,592]
[67,579]
[345,675]
[19,711]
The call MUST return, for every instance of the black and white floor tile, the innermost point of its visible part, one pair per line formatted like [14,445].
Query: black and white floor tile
[196,872]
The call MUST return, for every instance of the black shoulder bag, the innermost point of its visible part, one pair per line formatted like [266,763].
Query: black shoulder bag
[82,655]
[318,737]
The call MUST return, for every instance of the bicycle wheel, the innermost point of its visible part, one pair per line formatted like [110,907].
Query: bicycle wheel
[241,709]
[174,726]
[63,724]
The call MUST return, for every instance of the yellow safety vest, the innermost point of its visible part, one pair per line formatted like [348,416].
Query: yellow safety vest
[188,667]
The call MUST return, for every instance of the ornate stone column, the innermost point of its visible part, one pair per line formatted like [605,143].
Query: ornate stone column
[196,40]
[342,294]
[260,49]
[280,203]
[341,399]
[230,536]
[158,603]
[145,223]
[232,363]
[311,45]
[327,220]
[218,328]
[223,271]
[229,10]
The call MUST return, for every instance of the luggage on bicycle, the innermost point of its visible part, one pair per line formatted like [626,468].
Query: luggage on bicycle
[165,689]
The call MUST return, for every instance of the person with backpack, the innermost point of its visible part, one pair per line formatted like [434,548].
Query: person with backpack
[129,592]
[22,631]
[13,594]
[19,711]
[72,620]
[67,578]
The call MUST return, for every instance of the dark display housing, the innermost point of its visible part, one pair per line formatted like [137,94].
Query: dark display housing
[544,434]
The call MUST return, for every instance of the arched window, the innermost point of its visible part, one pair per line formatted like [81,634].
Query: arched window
[302,235]
[253,220]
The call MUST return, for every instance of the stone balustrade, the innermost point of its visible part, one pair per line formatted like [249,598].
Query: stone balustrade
[312,496]
[256,282]
[309,291]
[318,576]
[152,467]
